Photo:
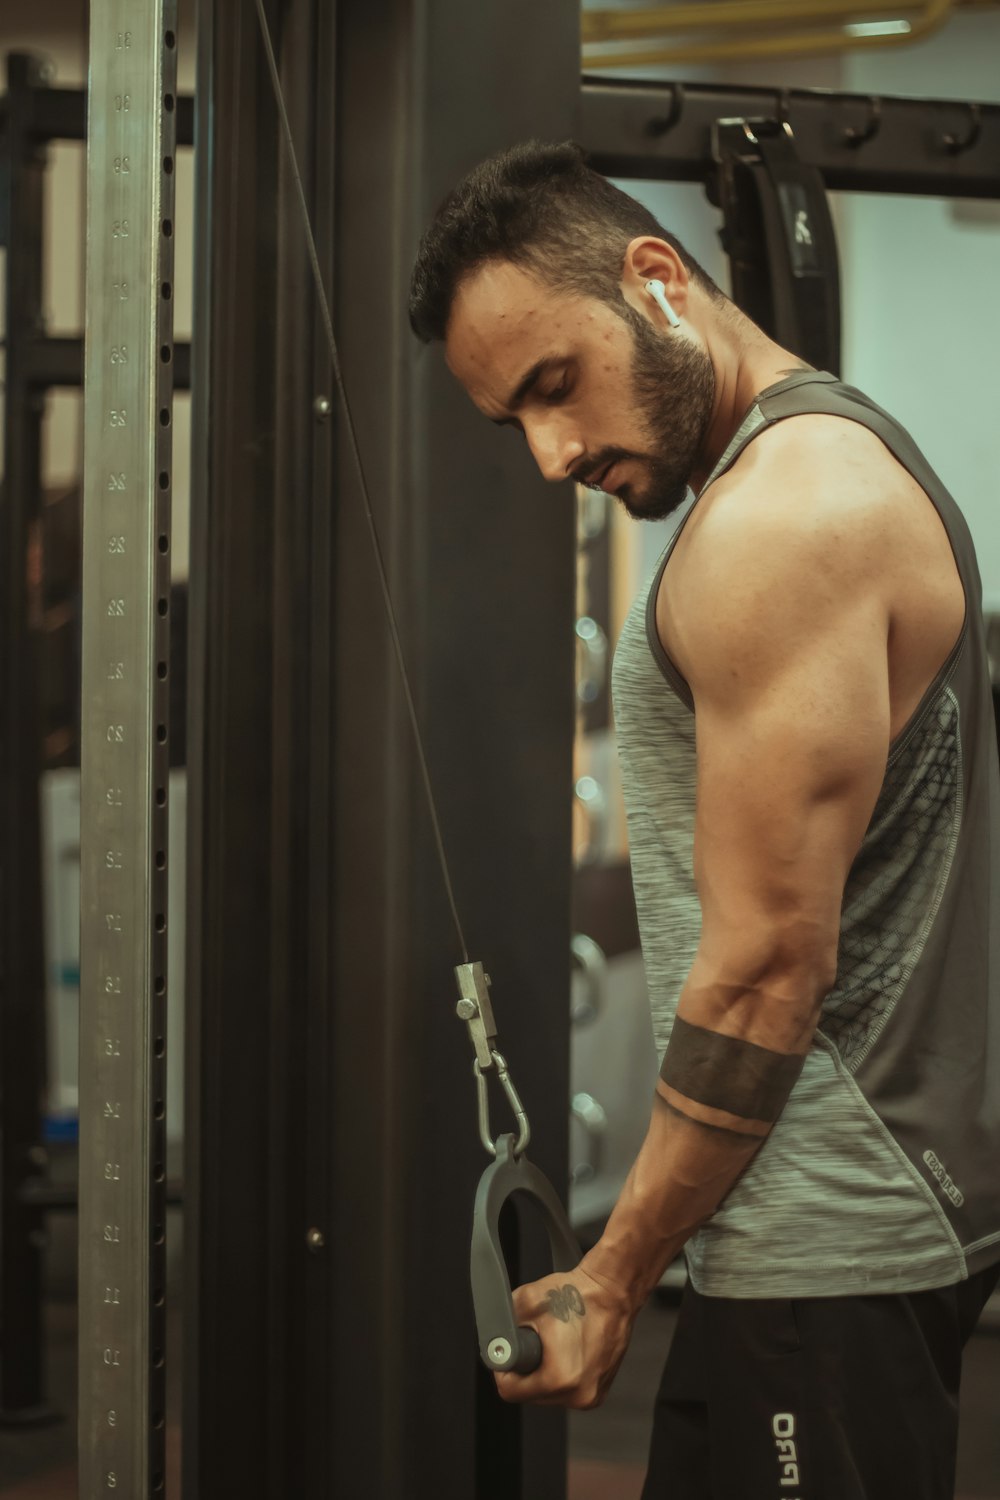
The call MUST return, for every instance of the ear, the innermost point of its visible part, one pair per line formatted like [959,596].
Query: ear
[649,259]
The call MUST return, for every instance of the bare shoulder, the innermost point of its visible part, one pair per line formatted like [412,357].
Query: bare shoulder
[817,548]
[791,541]
[813,478]
[812,493]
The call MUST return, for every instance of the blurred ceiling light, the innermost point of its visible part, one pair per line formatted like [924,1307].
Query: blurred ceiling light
[754,22]
[879,28]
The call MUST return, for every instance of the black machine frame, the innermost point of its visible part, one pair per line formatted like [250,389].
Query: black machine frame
[345,1147]
[316,1149]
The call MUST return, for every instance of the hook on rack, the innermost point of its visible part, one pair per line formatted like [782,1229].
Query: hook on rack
[955,144]
[662,124]
[855,135]
[783,101]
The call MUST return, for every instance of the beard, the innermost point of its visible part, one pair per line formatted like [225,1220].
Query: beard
[673,390]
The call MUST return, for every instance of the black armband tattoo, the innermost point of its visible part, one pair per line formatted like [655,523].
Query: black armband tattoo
[745,1137]
[727,1073]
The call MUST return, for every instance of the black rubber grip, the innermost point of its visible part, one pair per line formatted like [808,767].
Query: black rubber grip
[529,1352]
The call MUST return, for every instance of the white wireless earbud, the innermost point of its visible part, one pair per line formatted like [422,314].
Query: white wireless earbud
[659,296]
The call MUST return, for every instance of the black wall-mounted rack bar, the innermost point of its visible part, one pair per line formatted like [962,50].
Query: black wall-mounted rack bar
[861,143]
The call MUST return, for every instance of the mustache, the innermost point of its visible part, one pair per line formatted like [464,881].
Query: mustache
[589,471]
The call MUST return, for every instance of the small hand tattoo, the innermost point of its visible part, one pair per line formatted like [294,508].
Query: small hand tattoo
[564,1301]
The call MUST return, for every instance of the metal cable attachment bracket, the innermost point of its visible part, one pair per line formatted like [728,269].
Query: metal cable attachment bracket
[475,1009]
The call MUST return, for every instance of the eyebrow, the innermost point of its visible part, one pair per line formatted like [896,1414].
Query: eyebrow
[527,381]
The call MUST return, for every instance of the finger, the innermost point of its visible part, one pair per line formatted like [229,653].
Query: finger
[518,1390]
[546,1386]
[528,1302]
[541,1384]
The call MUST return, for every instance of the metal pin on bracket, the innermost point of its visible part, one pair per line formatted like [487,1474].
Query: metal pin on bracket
[475,1009]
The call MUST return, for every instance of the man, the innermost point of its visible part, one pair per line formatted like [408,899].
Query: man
[809,760]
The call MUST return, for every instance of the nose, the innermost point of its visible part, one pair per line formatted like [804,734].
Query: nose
[555,448]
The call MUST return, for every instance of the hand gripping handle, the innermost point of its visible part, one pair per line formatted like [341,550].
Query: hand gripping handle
[502,1344]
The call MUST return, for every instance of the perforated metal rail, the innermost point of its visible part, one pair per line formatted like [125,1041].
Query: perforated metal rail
[126,578]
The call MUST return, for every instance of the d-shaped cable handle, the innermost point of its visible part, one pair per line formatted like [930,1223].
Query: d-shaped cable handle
[503,1345]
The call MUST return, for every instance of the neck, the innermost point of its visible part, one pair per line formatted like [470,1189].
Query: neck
[746,362]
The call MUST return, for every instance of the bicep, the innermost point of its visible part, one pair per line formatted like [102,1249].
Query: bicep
[792,725]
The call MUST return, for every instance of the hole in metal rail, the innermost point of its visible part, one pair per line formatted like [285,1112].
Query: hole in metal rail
[161,797]
[161,734]
[161,922]
[159,1300]
[161,984]
[157,1419]
[161,670]
[169,40]
[161,859]
[158,1112]
[161,606]
[164,479]
[168,228]
[166,291]
[163,543]
[168,165]
[165,355]
[164,416]
[159,1175]
[168,103]
[159,1046]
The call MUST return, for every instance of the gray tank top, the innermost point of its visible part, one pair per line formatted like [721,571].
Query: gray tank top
[883,1172]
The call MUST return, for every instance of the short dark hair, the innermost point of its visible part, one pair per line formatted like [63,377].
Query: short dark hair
[542,207]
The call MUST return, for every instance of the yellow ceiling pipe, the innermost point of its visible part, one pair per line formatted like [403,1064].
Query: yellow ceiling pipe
[628,25]
[931,19]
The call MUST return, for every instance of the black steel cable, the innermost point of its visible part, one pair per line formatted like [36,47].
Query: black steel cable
[369,514]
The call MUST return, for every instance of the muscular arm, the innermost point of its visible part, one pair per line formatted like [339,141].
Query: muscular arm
[780,625]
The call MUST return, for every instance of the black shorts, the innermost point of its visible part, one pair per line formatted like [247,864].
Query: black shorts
[814,1398]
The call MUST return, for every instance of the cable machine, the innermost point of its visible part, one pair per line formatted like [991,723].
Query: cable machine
[435,558]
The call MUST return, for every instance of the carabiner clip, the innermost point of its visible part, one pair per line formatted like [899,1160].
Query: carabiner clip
[475,1010]
[513,1099]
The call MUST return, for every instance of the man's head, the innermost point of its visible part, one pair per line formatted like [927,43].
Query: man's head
[534,275]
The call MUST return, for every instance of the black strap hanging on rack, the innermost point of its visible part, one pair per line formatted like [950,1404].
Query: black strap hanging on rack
[779,236]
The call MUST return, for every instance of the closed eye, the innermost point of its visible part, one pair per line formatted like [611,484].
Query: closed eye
[531,388]
[560,392]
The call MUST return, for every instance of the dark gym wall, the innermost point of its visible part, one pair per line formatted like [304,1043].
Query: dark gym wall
[331,1085]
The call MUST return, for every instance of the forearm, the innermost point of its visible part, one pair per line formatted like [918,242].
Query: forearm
[680,1176]
[717,1098]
